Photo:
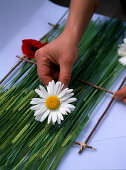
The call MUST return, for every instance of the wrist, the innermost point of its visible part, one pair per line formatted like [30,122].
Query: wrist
[72,34]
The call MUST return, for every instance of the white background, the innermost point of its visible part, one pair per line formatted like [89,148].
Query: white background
[24,19]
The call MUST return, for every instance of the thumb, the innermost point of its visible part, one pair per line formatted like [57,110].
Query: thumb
[65,73]
[120,94]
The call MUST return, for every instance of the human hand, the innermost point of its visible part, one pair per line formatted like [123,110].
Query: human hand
[121,94]
[55,60]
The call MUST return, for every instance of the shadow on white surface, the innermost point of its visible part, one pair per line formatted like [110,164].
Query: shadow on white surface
[16,15]
[23,19]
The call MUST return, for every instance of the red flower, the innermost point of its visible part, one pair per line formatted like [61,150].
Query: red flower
[30,46]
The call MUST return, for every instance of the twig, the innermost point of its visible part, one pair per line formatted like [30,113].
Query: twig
[56,26]
[98,87]
[21,59]
[29,61]
[84,145]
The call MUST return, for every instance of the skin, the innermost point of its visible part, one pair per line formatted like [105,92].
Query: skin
[121,94]
[55,60]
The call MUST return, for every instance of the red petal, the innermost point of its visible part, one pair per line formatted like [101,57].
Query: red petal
[29,47]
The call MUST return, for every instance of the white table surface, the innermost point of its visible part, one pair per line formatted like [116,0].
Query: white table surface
[24,19]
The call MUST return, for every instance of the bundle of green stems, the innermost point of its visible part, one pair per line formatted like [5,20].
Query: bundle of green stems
[27,143]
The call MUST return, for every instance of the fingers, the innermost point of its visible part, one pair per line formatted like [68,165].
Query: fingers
[124,100]
[43,68]
[120,94]
[44,73]
[48,64]
[65,73]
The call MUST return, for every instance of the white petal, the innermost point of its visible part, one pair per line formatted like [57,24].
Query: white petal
[39,92]
[45,115]
[63,111]
[70,100]
[123,60]
[66,109]
[38,112]
[38,117]
[43,109]
[54,117]
[58,120]
[122,46]
[70,90]
[33,102]
[62,93]
[49,117]
[57,89]
[44,91]
[50,88]
[36,107]
[62,86]
[66,97]
[60,115]
[69,106]
[37,101]
[124,40]
[122,52]
[53,123]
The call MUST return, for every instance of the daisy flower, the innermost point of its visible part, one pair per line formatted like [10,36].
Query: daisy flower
[53,102]
[122,52]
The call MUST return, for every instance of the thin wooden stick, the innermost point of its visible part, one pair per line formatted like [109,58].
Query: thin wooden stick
[84,145]
[29,61]
[21,59]
[98,87]
[53,25]
[93,85]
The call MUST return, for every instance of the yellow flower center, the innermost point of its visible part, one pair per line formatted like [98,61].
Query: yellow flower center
[52,102]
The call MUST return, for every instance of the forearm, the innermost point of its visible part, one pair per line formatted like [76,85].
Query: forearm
[79,17]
